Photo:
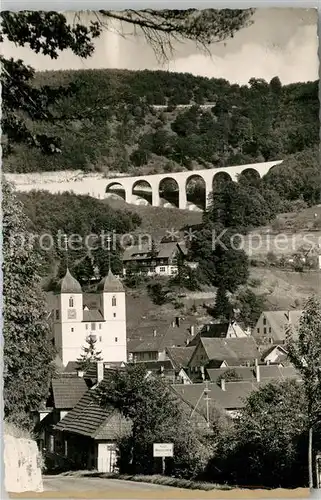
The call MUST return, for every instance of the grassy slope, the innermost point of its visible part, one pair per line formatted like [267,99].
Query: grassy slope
[284,289]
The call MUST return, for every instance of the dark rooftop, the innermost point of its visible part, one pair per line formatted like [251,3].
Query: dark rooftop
[67,391]
[180,356]
[89,419]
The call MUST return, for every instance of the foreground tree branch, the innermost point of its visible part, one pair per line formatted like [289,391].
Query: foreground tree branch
[49,33]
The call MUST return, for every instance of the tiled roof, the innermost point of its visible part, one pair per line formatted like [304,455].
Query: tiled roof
[244,372]
[89,419]
[267,372]
[166,336]
[156,366]
[278,372]
[71,367]
[221,349]
[180,356]
[68,391]
[92,315]
[139,252]
[281,356]
[217,330]
[230,399]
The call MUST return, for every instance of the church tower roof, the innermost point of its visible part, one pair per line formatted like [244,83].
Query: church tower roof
[110,284]
[69,284]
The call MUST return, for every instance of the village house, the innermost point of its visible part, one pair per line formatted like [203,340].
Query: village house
[161,259]
[166,370]
[73,319]
[228,396]
[211,398]
[179,356]
[271,326]
[226,330]
[266,373]
[275,354]
[65,392]
[149,343]
[88,434]
[231,352]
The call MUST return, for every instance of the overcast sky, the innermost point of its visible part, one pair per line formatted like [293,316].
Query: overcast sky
[280,42]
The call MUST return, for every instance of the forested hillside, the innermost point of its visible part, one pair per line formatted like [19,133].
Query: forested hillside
[109,122]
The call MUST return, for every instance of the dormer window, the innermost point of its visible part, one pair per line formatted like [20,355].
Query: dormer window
[113,301]
[71,302]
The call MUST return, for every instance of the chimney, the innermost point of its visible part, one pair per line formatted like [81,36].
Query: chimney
[192,330]
[223,387]
[100,371]
[178,321]
[267,361]
[154,333]
[202,372]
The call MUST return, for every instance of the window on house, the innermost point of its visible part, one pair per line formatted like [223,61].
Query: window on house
[264,321]
[264,330]
[113,301]
[258,330]
[57,314]
[72,329]
[71,302]
[99,326]
[270,329]
[114,315]
[93,337]
[86,326]
[116,339]
[93,326]
[162,269]
[100,339]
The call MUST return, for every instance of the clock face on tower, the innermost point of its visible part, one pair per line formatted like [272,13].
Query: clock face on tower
[71,314]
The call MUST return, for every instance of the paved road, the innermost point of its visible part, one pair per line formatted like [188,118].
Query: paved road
[69,483]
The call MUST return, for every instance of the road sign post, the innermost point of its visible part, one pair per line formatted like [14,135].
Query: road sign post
[163,450]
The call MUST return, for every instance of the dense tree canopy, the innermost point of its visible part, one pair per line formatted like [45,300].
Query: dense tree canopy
[266,446]
[77,216]
[27,350]
[50,33]
[157,417]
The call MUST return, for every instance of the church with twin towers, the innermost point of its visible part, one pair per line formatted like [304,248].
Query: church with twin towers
[74,318]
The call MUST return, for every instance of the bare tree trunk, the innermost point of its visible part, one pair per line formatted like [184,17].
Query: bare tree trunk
[310,460]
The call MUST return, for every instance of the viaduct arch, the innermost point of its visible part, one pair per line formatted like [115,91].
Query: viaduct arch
[153,183]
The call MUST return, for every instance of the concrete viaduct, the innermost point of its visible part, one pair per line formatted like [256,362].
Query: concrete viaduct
[98,186]
[128,184]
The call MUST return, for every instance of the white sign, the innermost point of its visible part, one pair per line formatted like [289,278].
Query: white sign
[163,449]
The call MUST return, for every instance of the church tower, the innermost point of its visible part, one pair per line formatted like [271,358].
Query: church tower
[69,333]
[113,307]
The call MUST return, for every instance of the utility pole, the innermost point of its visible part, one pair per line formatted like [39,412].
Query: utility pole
[207,399]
